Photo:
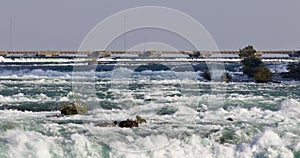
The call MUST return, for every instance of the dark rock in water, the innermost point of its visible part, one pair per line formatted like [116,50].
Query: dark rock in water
[276,81]
[294,71]
[124,124]
[229,119]
[206,75]
[76,108]
[55,115]
[168,110]
[128,124]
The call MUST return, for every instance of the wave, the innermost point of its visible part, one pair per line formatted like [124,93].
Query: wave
[252,133]
[34,144]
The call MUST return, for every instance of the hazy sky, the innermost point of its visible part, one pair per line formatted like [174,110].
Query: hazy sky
[63,24]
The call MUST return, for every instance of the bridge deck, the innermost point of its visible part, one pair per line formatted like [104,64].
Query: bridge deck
[152,52]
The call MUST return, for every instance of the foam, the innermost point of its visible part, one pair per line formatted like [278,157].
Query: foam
[162,146]
[34,72]
[29,144]
[291,107]
[33,144]
[185,133]
[268,144]
[20,97]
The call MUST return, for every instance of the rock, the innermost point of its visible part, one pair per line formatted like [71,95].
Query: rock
[167,110]
[125,124]
[76,108]
[229,119]
[128,124]
[206,75]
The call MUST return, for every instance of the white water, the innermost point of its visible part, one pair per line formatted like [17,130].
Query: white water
[161,141]
[256,131]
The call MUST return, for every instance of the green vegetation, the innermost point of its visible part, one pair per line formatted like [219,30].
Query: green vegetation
[248,51]
[263,75]
[250,64]
[294,71]
[253,66]
[195,55]
[140,120]
[72,109]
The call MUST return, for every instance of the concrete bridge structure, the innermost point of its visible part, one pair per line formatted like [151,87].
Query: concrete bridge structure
[142,53]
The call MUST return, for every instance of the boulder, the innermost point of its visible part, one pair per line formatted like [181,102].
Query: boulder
[72,109]
[128,124]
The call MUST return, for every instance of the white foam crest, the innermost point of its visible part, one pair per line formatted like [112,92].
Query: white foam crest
[122,72]
[163,146]
[278,68]
[31,144]
[268,144]
[291,107]
[20,97]
[11,114]
[83,147]
[25,73]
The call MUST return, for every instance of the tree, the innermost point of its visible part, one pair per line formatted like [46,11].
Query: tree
[250,64]
[294,71]
[195,55]
[248,51]
[263,75]
[294,68]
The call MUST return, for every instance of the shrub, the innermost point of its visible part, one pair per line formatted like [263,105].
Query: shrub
[294,71]
[263,75]
[195,55]
[248,51]
[250,64]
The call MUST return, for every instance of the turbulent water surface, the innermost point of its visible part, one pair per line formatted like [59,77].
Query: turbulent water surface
[185,117]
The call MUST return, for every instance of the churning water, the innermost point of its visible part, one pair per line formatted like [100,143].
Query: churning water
[185,118]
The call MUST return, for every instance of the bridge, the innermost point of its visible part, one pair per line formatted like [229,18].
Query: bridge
[154,53]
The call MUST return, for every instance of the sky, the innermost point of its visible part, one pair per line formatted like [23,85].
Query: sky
[233,24]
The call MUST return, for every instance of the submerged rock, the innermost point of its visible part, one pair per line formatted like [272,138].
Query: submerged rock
[125,124]
[167,110]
